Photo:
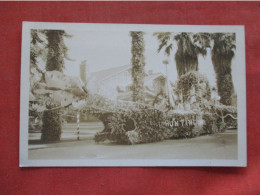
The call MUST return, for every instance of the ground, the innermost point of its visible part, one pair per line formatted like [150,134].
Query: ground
[217,146]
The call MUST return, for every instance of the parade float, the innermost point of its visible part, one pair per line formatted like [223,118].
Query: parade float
[195,110]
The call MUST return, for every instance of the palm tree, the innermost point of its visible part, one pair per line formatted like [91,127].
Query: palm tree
[138,64]
[222,55]
[57,51]
[186,56]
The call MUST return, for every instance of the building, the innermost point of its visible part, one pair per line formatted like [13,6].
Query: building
[115,83]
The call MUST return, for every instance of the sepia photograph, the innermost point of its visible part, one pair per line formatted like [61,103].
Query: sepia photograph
[132,95]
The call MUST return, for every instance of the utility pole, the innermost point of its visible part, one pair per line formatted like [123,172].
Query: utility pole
[168,88]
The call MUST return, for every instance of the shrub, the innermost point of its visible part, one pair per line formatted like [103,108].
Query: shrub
[196,80]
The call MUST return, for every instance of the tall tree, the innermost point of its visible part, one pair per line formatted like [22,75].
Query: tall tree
[138,64]
[186,56]
[57,51]
[222,55]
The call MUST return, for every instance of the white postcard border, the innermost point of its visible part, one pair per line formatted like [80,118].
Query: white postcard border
[24,96]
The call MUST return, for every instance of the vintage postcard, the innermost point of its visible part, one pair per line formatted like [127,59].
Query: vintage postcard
[132,95]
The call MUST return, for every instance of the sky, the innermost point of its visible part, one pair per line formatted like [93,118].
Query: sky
[107,49]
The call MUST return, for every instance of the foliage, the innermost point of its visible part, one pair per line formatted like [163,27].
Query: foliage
[226,116]
[193,87]
[37,51]
[181,124]
[150,126]
[37,48]
[190,124]
[154,125]
[35,119]
[203,41]
[186,56]
[164,38]
[209,126]
[56,50]
[222,55]
[117,131]
[135,125]
[189,46]
[138,63]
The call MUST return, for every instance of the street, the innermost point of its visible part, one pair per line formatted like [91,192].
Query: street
[69,131]
[217,146]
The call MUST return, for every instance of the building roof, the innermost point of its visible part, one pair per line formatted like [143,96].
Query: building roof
[107,73]
[102,75]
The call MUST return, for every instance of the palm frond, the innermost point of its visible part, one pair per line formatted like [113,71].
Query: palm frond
[168,49]
[186,56]
[163,38]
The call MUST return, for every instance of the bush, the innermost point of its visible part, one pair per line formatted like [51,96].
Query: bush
[196,80]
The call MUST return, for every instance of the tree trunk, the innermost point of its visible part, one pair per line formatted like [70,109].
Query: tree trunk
[222,67]
[186,63]
[222,55]
[138,63]
[51,130]
[225,87]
